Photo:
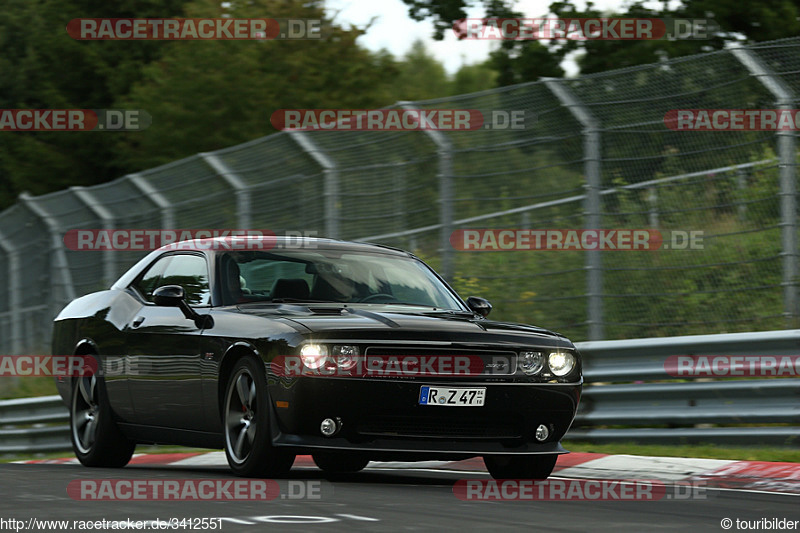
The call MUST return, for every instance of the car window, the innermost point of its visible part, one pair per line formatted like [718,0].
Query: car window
[334,276]
[260,276]
[191,273]
[151,279]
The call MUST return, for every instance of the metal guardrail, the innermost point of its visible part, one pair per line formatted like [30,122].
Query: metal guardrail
[627,385]
[34,425]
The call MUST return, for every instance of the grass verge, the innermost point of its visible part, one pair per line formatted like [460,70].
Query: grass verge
[26,387]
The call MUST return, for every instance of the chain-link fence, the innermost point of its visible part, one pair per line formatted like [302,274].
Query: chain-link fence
[598,155]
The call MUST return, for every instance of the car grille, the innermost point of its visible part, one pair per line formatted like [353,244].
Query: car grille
[482,427]
[497,363]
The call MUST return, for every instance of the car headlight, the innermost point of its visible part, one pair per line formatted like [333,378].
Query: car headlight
[561,363]
[345,356]
[531,362]
[314,355]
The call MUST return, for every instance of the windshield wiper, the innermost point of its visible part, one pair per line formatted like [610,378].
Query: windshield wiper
[455,312]
[434,309]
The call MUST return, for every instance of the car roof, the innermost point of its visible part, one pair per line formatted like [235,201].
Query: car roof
[280,242]
[221,245]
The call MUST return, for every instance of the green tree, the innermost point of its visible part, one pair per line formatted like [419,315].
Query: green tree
[521,61]
[42,67]
[474,78]
[421,76]
[213,94]
[518,61]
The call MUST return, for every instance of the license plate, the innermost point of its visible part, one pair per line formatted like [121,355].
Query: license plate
[452,396]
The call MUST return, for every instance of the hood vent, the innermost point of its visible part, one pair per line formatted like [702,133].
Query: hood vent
[336,311]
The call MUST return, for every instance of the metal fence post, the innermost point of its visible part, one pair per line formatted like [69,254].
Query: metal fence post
[59,266]
[741,185]
[83,194]
[158,199]
[652,200]
[331,173]
[14,293]
[445,149]
[591,167]
[243,204]
[784,99]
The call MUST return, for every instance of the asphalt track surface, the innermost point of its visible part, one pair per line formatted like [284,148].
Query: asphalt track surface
[373,500]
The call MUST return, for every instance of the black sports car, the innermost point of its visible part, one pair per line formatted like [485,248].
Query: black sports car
[349,352]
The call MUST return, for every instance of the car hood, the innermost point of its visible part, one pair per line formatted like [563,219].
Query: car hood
[350,322]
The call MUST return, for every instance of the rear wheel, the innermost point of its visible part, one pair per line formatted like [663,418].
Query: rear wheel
[520,466]
[246,419]
[340,463]
[96,439]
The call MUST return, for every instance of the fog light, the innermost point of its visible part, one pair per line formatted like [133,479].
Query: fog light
[328,427]
[542,433]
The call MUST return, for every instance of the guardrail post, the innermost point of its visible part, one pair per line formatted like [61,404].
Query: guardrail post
[445,176]
[243,204]
[59,266]
[784,98]
[331,173]
[85,196]
[14,293]
[158,199]
[591,168]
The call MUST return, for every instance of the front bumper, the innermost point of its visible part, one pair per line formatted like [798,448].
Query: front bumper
[383,415]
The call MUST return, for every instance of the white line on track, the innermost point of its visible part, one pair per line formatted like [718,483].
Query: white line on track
[356,517]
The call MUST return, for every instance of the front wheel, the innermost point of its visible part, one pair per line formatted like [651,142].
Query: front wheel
[96,439]
[246,419]
[520,466]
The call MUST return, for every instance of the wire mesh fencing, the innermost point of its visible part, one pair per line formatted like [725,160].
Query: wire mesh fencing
[592,152]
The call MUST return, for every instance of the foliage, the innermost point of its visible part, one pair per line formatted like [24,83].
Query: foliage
[519,61]
[202,95]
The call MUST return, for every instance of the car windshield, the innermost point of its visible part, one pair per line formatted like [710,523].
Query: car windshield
[331,276]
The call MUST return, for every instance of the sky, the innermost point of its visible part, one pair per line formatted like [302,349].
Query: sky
[394,30]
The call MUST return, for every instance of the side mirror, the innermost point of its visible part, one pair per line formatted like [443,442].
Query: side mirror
[169,296]
[175,296]
[480,306]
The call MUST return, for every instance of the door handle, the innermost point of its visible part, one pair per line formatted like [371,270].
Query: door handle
[138,321]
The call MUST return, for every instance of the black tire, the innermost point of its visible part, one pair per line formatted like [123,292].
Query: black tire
[246,425]
[520,466]
[340,462]
[96,439]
